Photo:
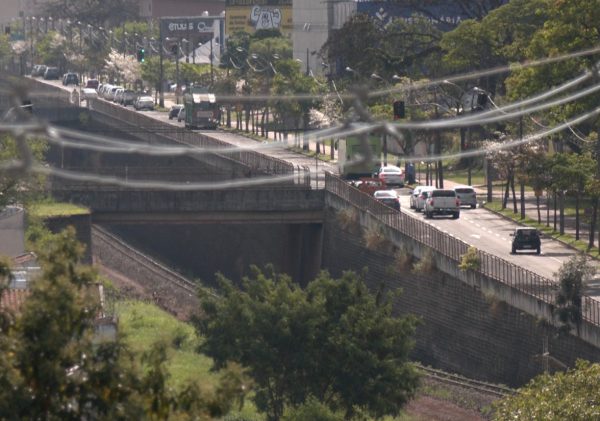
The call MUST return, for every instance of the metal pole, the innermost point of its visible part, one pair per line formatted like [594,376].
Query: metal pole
[177,72]
[161,101]
[212,75]
[307,58]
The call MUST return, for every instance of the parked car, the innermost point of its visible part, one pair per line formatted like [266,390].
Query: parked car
[419,201]
[525,238]
[38,70]
[51,73]
[144,103]
[416,201]
[442,202]
[128,97]
[388,197]
[70,79]
[89,93]
[181,115]
[110,96]
[118,95]
[391,175]
[466,195]
[92,83]
[174,111]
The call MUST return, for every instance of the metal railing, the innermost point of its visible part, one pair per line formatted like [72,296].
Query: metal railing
[491,266]
[255,161]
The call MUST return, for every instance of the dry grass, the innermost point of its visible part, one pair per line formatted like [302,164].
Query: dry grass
[375,240]
[426,264]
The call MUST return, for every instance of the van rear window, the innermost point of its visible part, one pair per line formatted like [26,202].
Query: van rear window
[464,190]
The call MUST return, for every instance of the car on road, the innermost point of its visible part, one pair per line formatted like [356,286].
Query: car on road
[128,97]
[442,202]
[144,103]
[89,93]
[388,197]
[466,195]
[417,198]
[70,79]
[51,73]
[526,238]
[92,83]
[391,175]
[38,70]
[174,111]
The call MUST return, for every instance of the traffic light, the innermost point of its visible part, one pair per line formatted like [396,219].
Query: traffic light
[399,110]
[141,53]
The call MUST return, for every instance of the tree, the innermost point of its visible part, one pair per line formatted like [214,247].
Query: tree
[572,277]
[570,395]
[333,341]
[52,366]
[19,188]
[96,12]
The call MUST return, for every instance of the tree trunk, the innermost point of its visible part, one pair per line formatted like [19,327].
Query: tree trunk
[506,192]
[522,198]
[593,222]
[514,194]
[561,209]
[537,204]
[554,205]
[577,200]
[547,208]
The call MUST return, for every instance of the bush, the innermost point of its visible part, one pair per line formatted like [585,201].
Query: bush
[470,260]
[426,264]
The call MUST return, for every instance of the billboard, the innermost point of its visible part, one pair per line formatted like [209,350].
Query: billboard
[182,27]
[252,15]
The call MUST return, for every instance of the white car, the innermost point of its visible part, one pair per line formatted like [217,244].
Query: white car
[466,195]
[414,197]
[391,174]
[89,93]
[419,201]
[144,103]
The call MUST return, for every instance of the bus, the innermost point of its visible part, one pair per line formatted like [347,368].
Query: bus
[353,160]
[201,109]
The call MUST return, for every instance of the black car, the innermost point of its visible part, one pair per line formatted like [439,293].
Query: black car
[526,239]
[174,111]
[70,79]
[51,73]
[128,97]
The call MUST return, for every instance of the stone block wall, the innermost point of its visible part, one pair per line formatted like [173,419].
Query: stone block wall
[462,329]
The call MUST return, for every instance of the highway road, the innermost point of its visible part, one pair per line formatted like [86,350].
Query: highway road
[491,233]
[478,227]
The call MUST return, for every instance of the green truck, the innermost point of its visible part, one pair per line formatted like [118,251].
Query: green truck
[201,109]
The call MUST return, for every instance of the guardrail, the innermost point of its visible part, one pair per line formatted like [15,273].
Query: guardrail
[491,266]
[252,159]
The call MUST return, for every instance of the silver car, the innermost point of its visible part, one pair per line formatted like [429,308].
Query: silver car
[414,197]
[466,195]
[419,201]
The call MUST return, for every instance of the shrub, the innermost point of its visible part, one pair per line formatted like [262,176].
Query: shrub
[470,260]
[426,264]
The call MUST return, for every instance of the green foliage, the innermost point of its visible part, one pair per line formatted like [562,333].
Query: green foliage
[311,410]
[470,260]
[105,13]
[572,277]
[571,395]
[20,188]
[333,341]
[151,70]
[54,367]
[426,264]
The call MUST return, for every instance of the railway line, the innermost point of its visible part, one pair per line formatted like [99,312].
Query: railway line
[440,376]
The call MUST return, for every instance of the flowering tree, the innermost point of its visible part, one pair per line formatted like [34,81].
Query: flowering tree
[122,68]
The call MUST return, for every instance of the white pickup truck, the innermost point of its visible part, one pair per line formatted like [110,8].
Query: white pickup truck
[442,202]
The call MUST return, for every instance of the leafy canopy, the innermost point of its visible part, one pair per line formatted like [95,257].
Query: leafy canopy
[333,341]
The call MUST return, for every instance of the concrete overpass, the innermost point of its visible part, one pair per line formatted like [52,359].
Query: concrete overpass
[276,205]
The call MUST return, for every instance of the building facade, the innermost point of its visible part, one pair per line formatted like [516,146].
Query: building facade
[154,9]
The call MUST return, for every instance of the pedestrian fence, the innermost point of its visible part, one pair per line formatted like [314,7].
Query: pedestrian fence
[451,247]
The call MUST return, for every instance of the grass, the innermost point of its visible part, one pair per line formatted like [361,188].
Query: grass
[52,209]
[579,245]
[144,324]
